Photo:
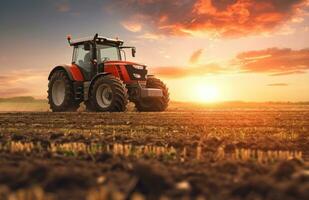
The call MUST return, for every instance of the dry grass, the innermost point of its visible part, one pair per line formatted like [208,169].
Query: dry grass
[34,193]
[78,148]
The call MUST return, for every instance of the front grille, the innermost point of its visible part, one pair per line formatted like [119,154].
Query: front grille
[132,70]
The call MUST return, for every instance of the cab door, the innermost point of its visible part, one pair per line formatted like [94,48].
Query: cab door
[82,58]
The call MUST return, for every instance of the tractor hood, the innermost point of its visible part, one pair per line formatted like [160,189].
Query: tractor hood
[120,62]
[130,70]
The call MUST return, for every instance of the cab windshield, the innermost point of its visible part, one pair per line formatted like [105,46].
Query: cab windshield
[106,53]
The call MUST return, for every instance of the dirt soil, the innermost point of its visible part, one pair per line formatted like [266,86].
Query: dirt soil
[254,153]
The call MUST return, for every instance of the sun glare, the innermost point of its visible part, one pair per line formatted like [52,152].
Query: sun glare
[206,93]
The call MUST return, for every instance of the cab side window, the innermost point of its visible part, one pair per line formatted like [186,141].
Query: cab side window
[82,57]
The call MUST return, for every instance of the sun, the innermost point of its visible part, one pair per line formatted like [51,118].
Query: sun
[206,93]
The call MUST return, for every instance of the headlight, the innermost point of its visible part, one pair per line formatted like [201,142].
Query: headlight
[137,75]
[139,66]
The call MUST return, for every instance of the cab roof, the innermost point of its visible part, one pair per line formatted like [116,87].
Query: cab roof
[98,39]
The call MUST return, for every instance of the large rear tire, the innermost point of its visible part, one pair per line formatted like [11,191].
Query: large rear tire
[154,104]
[61,94]
[108,94]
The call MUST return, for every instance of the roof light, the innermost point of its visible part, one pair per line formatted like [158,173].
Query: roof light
[69,37]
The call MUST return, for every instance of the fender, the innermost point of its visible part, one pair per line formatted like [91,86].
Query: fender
[73,72]
[63,68]
[88,84]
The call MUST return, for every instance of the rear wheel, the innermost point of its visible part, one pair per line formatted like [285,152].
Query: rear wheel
[154,104]
[60,93]
[108,94]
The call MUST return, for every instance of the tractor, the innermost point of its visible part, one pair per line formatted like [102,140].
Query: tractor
[101,77]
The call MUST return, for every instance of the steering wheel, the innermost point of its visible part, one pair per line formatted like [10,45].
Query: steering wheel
[105,59]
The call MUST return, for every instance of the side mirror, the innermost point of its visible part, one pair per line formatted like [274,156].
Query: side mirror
[133,52]
[87,47]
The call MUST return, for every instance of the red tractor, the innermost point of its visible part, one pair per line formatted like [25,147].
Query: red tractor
[99,77]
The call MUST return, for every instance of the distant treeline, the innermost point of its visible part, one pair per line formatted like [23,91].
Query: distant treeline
[23,99]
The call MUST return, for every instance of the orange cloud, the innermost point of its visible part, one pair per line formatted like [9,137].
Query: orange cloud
[181,71]
[132,26]
[228,18]
[278,84]
[63,7]
[21,75]
[22,82]
[11,92]
[150,36]
[195,56]
[4,79]
[7,80]
[287,73]
[274,61]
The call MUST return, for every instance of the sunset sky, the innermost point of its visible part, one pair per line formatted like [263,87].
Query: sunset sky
[205,50]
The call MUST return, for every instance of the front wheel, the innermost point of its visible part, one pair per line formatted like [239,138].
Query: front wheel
[154,104]
[108,94]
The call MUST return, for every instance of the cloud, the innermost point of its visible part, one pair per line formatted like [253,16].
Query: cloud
[195,56]
[4,78]
[21,82]
[225,18]
[184,71]
[271,61]
[285,30]
[150,36]
[298,19]
[287,73]
[278,84]
[11,92]
[7,80]
[63,7]
[274,61]
[132,26]
[21,75]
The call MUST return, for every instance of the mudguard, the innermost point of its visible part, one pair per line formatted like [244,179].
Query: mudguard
[63,68]
[72,71]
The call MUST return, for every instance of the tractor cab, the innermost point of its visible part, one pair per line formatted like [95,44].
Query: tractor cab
[90,54]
